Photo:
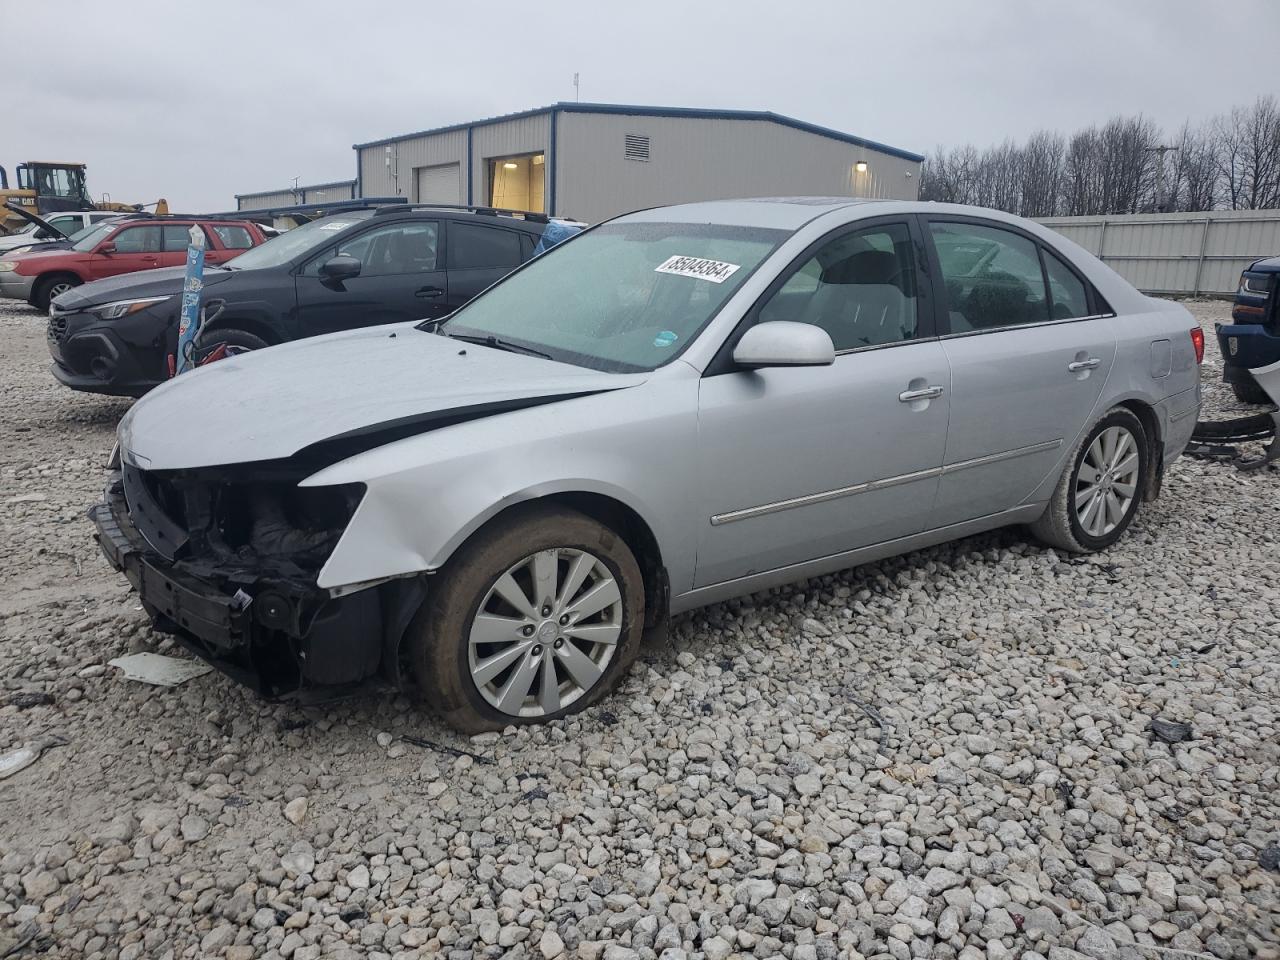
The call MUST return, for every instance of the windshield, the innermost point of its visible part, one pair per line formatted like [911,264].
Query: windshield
[292,243]
[90,238]
[622,297]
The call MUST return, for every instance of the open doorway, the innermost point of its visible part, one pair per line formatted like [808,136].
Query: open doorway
[518,183]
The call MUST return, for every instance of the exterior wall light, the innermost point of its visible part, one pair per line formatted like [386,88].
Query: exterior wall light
[861,166]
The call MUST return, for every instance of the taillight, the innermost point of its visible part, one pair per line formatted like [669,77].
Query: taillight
[1197,341]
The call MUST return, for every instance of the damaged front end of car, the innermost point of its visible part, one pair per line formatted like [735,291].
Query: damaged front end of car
[226,560]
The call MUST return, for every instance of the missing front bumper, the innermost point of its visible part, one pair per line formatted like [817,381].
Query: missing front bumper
[275,636]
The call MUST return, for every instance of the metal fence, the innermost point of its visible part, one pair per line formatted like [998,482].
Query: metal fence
[1182,253]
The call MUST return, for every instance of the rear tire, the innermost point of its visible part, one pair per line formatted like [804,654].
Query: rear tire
[1250,392]
[47,288]
[1098,495]
[542,665]
[236,342]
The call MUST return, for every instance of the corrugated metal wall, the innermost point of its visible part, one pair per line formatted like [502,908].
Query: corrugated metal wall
[1177,252]
[690,159]
[257,201]
[710,159]
[316,193]
[329,192]
[506,139]
[377,179]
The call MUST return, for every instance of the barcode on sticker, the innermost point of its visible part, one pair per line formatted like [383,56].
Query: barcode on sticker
[717,271]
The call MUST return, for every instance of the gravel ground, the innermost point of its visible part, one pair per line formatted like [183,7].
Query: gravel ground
[944,755]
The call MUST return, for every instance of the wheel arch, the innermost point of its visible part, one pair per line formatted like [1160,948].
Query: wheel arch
[1150,421]
[248,324]
[609,511]
[50,276]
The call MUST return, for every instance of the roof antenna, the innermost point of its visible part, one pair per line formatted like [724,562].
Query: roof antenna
[575,88]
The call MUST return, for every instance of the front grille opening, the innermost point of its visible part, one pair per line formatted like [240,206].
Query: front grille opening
[302,524]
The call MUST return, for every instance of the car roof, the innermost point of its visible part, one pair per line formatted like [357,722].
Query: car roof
[419,211]
[792,213]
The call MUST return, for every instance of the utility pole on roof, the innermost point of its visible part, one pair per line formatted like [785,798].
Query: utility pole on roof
[575,88]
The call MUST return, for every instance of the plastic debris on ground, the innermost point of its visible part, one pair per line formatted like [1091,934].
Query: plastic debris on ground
[23,757]
[159,670]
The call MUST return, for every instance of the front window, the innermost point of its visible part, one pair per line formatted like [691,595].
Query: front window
[859,287]
[398,248]
[623,297]
[138,240]
[94,236]
[296,242]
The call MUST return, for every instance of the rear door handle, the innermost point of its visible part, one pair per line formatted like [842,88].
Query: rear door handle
[1076,366]
[924,393]
[429,293]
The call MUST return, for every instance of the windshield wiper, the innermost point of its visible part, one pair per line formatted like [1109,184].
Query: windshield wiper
[489,340]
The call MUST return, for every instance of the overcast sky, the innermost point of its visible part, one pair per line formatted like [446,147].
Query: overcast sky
[199,101]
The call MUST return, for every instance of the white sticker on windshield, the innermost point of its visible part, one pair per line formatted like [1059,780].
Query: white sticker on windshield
[716,271]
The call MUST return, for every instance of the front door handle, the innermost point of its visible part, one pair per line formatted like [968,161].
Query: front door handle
[429,293]
[924,393]
[1075,366]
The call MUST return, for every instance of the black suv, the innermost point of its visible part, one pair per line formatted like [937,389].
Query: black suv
[356,268]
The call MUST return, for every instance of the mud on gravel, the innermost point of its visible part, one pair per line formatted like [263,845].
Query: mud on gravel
[949,754]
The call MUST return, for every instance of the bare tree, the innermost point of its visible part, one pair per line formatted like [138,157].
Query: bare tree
[950,176]
[1195,175]
[1042,174]
[1248,155]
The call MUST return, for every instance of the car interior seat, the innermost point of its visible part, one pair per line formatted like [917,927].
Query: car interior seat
[860,301]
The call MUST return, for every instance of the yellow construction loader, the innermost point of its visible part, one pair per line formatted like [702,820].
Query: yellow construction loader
[43,187]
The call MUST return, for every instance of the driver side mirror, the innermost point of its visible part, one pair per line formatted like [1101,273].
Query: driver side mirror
[107,247]
[43,234]
[339,268]
[783,343]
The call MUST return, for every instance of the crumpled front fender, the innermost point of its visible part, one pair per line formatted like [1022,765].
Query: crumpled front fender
[426,494]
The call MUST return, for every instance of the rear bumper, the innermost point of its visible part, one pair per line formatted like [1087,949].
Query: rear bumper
[273,634]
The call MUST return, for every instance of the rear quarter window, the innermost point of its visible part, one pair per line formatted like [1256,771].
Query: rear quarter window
[233,237]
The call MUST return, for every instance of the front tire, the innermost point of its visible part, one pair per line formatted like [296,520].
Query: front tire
[537,617]
[234,341]
[49,287]
[1098,495]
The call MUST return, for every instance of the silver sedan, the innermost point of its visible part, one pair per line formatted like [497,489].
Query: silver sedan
[676,407]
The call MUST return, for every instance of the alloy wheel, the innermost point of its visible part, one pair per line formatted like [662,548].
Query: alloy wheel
[545,632]
[1107,481]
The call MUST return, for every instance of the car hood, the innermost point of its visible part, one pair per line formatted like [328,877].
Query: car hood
[146,283]
[273,403]
[30,246]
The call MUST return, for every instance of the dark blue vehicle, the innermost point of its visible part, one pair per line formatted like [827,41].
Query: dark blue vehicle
[1252,339]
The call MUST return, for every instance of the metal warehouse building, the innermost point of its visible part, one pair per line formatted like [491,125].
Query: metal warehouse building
[296,196]
[594,161]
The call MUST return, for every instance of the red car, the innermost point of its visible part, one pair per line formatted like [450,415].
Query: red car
[120,246]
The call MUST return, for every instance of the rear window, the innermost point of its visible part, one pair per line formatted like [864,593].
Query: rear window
[177,236]
[474,246]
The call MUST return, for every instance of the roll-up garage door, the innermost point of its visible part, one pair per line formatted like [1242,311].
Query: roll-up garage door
[438,184]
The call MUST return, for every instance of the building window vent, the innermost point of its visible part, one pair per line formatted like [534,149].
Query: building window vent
[637,147]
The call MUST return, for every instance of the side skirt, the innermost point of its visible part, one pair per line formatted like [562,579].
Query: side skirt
[726,589]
